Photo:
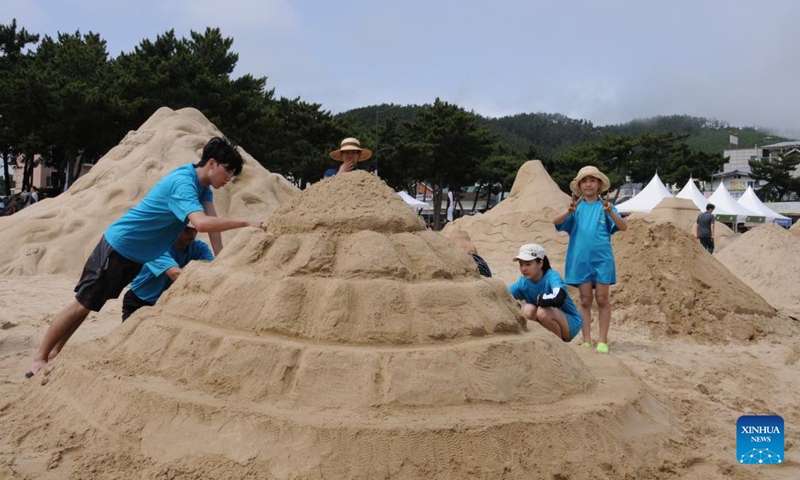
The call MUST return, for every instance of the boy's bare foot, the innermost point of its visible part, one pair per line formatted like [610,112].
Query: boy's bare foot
[36,365]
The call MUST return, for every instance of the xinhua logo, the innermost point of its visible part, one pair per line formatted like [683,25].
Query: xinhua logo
[759,439]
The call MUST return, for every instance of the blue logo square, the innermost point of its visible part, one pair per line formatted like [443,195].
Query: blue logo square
[759,439]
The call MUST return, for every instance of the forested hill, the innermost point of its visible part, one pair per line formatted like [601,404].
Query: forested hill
[551,133]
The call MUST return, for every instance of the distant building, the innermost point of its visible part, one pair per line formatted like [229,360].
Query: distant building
[736,173]
[43,177]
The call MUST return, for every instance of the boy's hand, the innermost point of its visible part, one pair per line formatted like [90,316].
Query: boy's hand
[606,203]
[574,204]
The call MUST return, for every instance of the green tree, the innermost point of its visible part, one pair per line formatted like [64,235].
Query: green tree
[301,137]
[777,173]
[496,173]
[446,145]
[196,72]
[78,119]
[391,162]
[13,58]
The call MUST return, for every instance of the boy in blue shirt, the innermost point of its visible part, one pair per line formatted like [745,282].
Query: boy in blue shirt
[157,276]
[590,221]
[143,233]
[545,293]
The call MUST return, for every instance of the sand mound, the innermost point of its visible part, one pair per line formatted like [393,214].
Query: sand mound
[526,216]
[338,352]
[660,265]
[683,213]
[56,235]
[767,259]
[461,238]
[795,228]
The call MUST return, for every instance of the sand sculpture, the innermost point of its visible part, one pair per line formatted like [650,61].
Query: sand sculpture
[767,259]
[671,286]
[343,341]
[56,235]
[683,213]
[526,216]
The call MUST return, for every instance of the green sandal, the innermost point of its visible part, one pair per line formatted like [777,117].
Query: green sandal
[602,347]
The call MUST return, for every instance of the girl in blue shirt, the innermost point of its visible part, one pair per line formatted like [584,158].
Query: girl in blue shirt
[545,294]
[590,221]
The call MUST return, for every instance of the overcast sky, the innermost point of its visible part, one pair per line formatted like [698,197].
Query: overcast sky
[608,61]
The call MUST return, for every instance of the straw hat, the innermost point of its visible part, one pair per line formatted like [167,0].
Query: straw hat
[351,143]
[589,171]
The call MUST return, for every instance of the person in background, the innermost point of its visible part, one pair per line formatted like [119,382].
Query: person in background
[464,242]
[350,154]
[705,228]
[590,220]
[545,294]
[158,275]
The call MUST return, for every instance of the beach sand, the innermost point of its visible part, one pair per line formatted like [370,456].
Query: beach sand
[344,340]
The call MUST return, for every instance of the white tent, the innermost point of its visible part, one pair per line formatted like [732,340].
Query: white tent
[726,205]
[412,202]
[691,192]
[647,199]
[751,202]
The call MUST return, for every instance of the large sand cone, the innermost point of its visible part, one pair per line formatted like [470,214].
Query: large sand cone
[683,213]
[56,235]
[526,216]
[767,259]
[670,286]
[344,342]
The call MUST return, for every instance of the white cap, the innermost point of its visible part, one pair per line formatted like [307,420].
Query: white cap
[530,251]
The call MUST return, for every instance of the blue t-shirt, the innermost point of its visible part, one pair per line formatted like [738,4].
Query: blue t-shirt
[550,283]
[152,281]
[589,254]
[147,230]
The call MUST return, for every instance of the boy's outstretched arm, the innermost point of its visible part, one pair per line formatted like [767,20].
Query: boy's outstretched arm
[214,237]
[209,224]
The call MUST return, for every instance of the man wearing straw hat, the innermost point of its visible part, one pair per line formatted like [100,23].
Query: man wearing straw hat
[350,154]
[590,221]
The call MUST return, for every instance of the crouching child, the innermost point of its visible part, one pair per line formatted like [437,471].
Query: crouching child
[545,294]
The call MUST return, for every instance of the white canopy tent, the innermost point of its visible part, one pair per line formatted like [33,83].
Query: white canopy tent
[726,205]
[412,202]
[751,202]
[647,199]
[691,192]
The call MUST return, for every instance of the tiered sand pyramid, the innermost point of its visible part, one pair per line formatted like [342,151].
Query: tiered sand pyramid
[668,284]
[767,259]
[683,213]
[56,235]
[343,342]
[526,216]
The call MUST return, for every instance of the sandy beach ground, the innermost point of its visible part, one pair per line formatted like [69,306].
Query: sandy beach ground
[707,386]
[345,340]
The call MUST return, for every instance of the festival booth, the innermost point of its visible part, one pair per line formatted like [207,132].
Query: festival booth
[412,202]
[647,199]
[691,192]
[727,210]
[750,201]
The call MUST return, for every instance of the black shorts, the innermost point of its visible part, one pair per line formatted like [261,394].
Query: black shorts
[130,303]
[104,276]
